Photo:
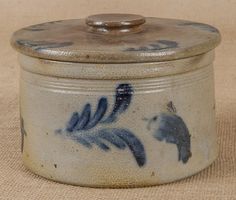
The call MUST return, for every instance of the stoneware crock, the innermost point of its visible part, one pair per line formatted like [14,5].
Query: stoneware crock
[117,100]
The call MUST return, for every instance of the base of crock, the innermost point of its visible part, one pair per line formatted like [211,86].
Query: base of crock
[115,185]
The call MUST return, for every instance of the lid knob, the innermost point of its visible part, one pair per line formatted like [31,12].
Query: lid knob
[115,23]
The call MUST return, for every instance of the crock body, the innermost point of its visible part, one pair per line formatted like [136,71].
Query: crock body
[117,132]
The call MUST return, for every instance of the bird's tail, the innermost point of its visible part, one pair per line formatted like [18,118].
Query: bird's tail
[184,153]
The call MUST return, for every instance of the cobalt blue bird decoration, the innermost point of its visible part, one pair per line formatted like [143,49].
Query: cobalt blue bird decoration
[80,126]
[170,127]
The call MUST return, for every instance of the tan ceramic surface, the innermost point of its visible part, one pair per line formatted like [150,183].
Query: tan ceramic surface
[217,182]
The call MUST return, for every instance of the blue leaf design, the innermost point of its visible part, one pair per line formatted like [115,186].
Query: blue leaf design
[134,145]
[157,45]
[72,122]
[99,114]
[84,118]
[41,27]
[92,138]
[123,98]
[112,138]
[85,121]
[204,27]
[41,45]
[80,139]
[120,138]
[79,127]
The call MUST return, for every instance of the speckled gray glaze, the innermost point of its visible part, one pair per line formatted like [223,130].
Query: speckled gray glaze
[159,40]
[112,108]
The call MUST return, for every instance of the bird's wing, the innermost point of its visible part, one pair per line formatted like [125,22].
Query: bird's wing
[173,129]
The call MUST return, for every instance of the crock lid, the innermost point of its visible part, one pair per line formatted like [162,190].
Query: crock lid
[116,38]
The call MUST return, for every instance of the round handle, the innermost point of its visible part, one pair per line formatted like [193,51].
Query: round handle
[115,23]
